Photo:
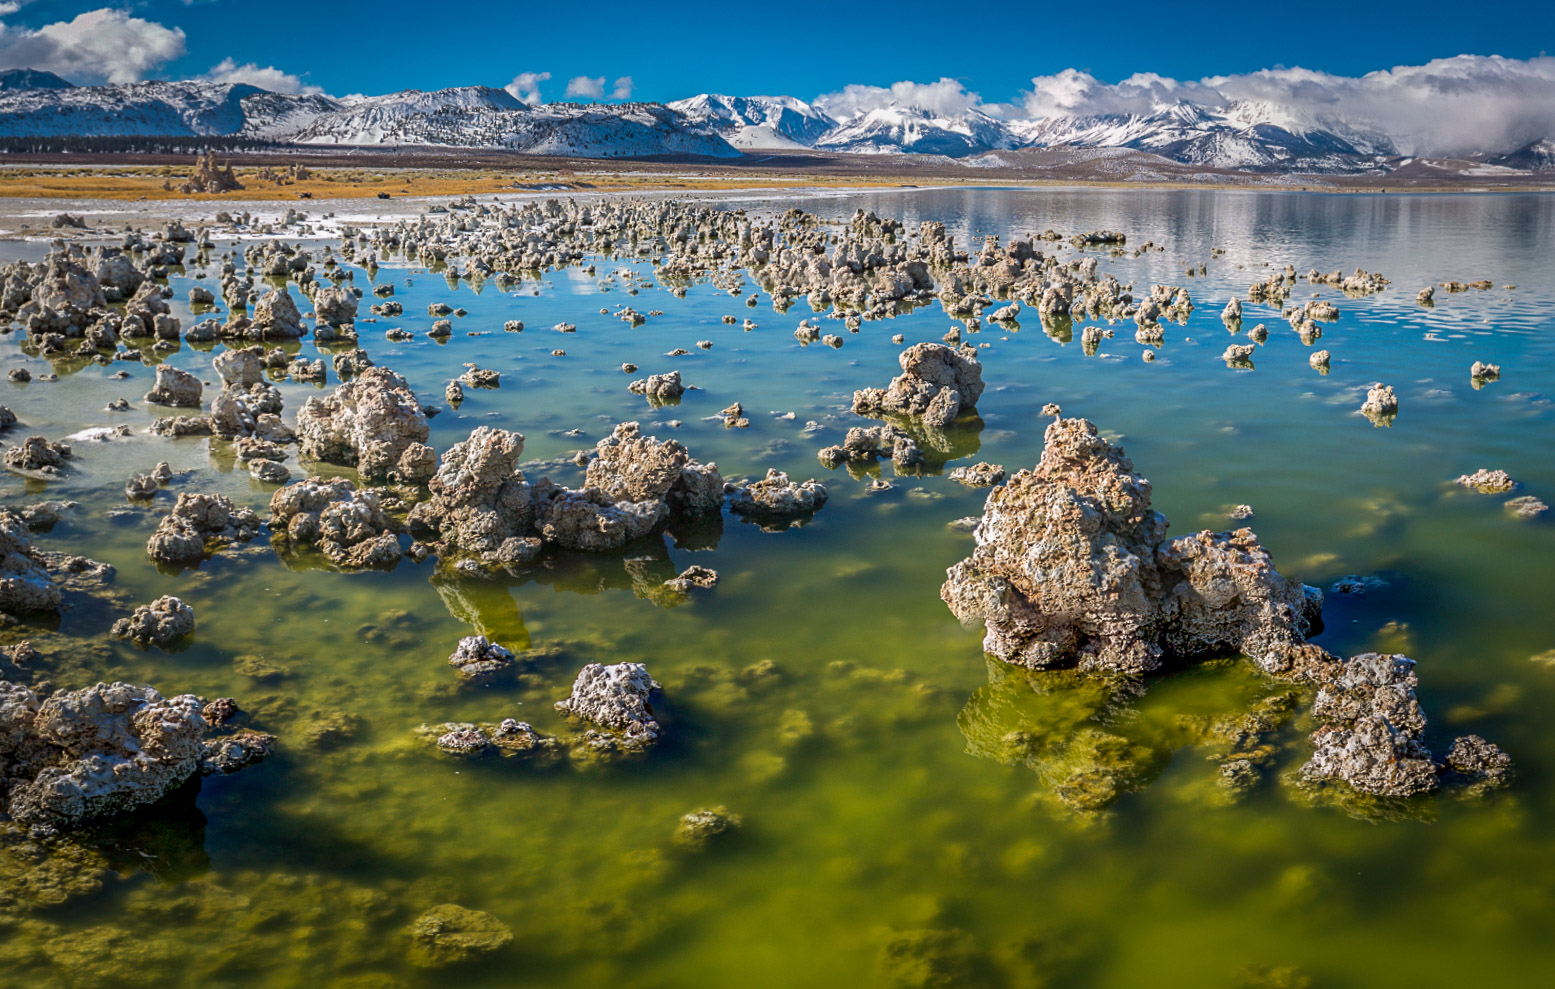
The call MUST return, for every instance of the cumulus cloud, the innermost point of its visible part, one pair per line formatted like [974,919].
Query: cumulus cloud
[266,77]
[946,96]
[1449,106]
[588,87]
[525,87]
[96,46]
[621,89]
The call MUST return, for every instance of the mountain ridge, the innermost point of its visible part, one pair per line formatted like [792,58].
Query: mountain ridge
[1245,135]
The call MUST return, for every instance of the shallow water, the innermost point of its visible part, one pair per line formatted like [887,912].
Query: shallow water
[871,763]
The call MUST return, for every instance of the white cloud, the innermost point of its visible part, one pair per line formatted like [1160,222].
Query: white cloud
[1450,106]
[267,77]
[947,96]
[96,46]
[621,89]
[525,87]
[589,87]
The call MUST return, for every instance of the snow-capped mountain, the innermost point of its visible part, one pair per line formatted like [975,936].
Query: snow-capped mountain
[473,116]
[757,122]
[15,79]
[1536,157]
[1248,135]
[1244,135]
[896,129]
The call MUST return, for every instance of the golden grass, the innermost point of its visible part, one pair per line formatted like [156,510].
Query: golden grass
[130,184]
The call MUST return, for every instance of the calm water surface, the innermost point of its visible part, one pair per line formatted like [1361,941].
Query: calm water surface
[891,833]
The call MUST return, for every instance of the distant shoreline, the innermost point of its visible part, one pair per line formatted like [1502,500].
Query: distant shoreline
[355,174]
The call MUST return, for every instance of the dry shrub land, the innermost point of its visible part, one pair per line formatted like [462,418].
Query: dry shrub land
[359,174]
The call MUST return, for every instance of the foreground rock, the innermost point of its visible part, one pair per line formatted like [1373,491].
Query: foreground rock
[80,756]
[937,384]
[1072,565]
[373,423]
[1371,737]
[614,698]
[199,525]
[449,934]
[775,502]
[484,510]
[347,525]
[165,620]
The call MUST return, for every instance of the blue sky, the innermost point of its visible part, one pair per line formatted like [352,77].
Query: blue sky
[799,48]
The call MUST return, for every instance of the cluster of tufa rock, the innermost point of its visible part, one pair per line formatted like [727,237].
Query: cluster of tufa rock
[1073,565]
[1073,568]
[84,755]
[936,385]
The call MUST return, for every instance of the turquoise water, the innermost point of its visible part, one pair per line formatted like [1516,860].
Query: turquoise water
[891,831]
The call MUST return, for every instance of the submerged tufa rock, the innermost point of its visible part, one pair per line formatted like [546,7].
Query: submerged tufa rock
[1073,565]
[164,620]
[615,698]
[937,384]
[373,423]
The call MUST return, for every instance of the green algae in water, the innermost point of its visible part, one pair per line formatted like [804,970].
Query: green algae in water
[903,805]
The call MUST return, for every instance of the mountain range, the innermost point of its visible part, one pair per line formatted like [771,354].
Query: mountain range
[1244,135]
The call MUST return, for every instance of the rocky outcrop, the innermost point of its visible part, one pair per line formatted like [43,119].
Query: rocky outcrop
[175,387]
[346,524]
[477,656]
[1072,565]
[481,504]
[449,934]
[248,405]
[38,455]
[632,467]
[1371,736]
[1381,405]
[776,502]
[275,317]
[83,755]
[26,587]
[937,384]
[483,508]
[335,305]
[199,525]
[615,698]
[373,423]
[164,620]
[659,388]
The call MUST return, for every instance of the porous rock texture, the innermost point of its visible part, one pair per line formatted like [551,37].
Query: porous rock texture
[198,525]
[348,525]
[373,423]
[937,384]
[26,586]
[1073,565]
[1372,731]
[483,508]
[481,505]
[82,755]
[615,698]
[634,467]
[164,620]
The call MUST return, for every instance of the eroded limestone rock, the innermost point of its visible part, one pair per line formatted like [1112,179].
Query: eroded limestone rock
[348,525]
[373,423]
[937,384]
[164,620]
[1073,565]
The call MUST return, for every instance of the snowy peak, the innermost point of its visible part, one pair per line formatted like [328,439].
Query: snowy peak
[470,116]
[757,122]
[12,80]
[896,129]
[1243,135]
